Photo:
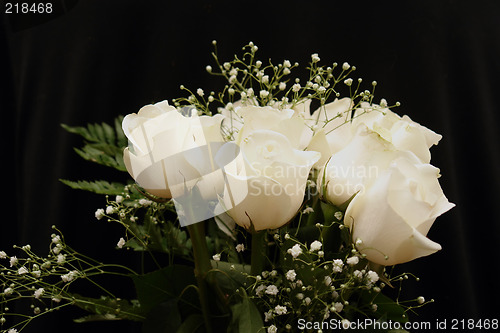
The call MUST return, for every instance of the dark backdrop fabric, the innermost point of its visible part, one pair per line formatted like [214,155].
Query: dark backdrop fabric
[94,60]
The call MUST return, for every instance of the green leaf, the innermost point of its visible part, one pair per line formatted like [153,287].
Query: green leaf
[107,308]
[246,316]
[172,282]
[163,318]
[98,186]
[193,324]
[103,154]
[387,309]
[228,278]
[100,132]
[103,144]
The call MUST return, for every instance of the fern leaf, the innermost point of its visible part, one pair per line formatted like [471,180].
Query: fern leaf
[98,186]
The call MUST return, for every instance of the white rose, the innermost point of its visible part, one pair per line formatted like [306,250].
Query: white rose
[351,169]
[402,132]
[332,127]
[393,215]
[265,184]
[233,121]
[284,121]
[170,153]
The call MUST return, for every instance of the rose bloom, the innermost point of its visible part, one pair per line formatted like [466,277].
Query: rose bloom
[287,121]
[384,169]
[402,132]
[265,183]
[169,152]
[369,143]
[332,128]
[394,214]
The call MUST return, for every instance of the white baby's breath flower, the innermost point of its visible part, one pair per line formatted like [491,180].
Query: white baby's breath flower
[328,280]
[280,309]
[69,276]
[13,261]
[3,255]
[57,249]
[272,290]
[296,87]
[338,215]
[295,251]
[145,202]
[56,239]
[290,275]
[23,270]
[8,291]
[421,300]
[61,258]
[99,213]
[268,315]
[316,245]
[308,210]
[352,261]
[338,307]
[216,257]
[358,274]
[36,274]
[264,93]
[121,243]
[240,247]
[272,329]
[372,277]
[259,291]
[337,265]
[200,92]
[39,293]
[110,210]
[119,199]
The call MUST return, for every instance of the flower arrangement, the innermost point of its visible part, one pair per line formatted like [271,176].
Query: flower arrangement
[270,206]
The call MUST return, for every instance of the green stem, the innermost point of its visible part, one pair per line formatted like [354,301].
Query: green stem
[202,266]
[258,252]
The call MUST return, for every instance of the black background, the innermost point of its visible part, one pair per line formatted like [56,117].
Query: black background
[93,60]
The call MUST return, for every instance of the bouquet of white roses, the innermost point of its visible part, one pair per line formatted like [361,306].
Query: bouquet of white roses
[278,203]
